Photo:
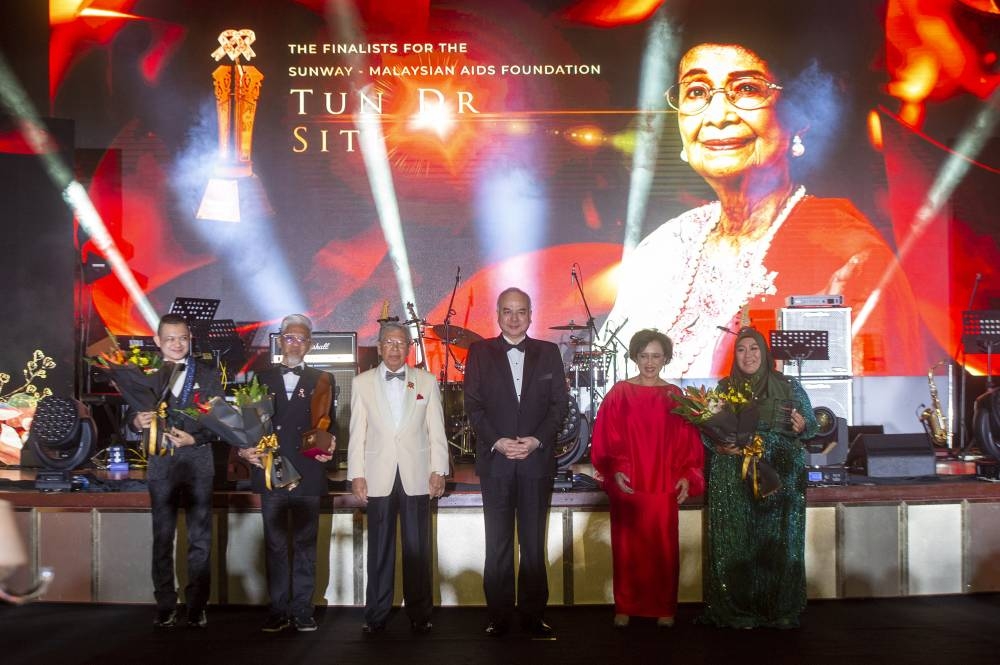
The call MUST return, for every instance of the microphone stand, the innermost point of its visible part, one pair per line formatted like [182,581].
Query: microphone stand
[962,365]
[447,327]
[615,342]
[592,335]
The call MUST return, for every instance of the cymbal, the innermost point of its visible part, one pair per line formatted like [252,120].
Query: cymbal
[569,326]
[456,335]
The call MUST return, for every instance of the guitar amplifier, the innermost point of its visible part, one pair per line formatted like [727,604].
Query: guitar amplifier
[837,322]
[329,348]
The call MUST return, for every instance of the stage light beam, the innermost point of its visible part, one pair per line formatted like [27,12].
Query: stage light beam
[15,101]
[659,59]
[970,143]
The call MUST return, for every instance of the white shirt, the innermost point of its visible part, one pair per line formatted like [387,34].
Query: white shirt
[178,384]
[516,360]
[395,391]
[291,380]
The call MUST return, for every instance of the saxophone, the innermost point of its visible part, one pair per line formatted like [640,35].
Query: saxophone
[932,417]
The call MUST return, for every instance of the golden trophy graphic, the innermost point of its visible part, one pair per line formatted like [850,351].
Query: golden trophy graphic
[234,189]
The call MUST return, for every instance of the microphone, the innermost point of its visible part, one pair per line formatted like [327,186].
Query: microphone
[458,274]
[572,274]
[975,287]
[726,330]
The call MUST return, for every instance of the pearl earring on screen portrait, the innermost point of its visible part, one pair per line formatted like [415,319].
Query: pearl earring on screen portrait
[798,147]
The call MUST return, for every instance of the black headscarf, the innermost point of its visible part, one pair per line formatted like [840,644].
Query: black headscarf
[769,387]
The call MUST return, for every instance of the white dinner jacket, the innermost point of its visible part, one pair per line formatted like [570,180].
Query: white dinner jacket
[377,447]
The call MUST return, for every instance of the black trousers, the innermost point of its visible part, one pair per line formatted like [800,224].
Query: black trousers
[415,526]
[166,497]
[524,501]
[291,524]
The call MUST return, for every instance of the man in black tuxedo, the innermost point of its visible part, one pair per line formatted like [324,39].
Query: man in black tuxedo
[515,397]
[293,385]
[182,477]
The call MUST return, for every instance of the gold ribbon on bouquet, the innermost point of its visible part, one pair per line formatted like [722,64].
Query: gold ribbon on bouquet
[752,454]
[267,445]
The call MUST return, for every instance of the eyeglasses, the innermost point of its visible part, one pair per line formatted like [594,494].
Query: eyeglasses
[395,343]
[294,339]
[747,93]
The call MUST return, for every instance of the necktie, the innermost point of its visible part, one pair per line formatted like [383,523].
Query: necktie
[507,346]
[389,376]
[297,371]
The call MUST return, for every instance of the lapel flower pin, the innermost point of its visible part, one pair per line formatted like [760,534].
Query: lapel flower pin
[302,392]
[409,384]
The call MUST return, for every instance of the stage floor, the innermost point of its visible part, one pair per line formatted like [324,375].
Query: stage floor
[916,631]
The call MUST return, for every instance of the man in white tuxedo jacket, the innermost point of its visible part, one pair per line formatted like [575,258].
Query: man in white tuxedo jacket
[397,460]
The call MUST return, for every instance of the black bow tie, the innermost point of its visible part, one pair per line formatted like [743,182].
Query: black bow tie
[389,376]
[507,346]
[297,371]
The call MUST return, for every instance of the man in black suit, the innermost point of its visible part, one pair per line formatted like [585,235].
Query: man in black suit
[293,385]
[183,477]
[515,398]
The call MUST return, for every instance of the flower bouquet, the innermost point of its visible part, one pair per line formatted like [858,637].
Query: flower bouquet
[728,416]
[247,424]
[143,378]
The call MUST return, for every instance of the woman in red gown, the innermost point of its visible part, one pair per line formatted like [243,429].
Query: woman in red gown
[650,461]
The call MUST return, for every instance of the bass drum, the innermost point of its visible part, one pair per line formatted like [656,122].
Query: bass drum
[573,438]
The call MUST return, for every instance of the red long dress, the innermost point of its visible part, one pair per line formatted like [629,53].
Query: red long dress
[636,433]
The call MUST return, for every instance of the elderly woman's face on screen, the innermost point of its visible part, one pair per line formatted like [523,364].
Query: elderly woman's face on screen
[748,355]
[723,141]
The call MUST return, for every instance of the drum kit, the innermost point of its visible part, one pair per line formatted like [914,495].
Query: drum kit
[586,377]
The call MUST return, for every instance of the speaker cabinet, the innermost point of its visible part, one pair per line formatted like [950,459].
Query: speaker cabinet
[837,322]
[892,456]
[343,375]
[835,394]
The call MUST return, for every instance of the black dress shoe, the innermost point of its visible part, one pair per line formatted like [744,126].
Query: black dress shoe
[305,624]
[197,619]
[275,623]
[373,628]
[165,618]
[538,628]
[496,629]
[421,627]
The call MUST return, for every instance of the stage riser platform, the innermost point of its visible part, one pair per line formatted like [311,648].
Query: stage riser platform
[853,550]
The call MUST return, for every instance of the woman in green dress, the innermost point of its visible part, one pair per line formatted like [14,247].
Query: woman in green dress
[756,546]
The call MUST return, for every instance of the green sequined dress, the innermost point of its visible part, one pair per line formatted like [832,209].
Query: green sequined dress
[756,547]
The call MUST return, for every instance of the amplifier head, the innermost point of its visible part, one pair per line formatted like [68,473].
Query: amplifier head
[328,348]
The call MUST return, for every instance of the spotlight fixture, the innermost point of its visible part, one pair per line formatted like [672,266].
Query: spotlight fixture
[986,423]
[829,446]
[62,433]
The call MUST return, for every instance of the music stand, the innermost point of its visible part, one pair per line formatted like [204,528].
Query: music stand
[981,334]
[221,338]
[195,309]
[800,345]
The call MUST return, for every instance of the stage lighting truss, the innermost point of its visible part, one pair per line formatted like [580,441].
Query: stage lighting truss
[62,433]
